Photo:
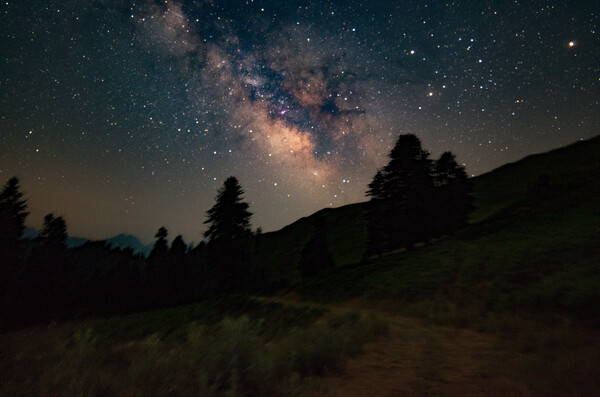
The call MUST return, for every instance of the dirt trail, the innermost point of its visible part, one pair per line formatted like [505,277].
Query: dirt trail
[421,359]
[424,360]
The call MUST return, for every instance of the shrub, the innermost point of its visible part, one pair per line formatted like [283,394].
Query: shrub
[235,357]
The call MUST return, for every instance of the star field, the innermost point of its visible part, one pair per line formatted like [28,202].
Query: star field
[124,116]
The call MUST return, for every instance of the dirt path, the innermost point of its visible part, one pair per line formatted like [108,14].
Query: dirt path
[425,360]
[421,359]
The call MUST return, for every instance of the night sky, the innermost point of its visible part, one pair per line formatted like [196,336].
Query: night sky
[125,116]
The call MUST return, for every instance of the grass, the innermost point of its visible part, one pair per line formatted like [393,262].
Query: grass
[170,322]
[279,253]
[236,356]
[546,259]
[347,233]
[509,184]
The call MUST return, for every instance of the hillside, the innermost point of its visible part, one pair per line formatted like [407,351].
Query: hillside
[279,252]
[529,253]
[346,227]
[508,184]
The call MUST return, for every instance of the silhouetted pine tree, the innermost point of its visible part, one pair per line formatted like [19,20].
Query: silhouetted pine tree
[202,280]
[229,218]
[159,280]
[12,224]
[179,271]
[228,233]
[178,247]
[48,276]
[54,231]
[402,196]
[453,193]
[161,246]
[376,186]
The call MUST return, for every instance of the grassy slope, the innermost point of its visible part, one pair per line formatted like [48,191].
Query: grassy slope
[519,253]
[508,184]
[279,252]
[222,347]
[545,257]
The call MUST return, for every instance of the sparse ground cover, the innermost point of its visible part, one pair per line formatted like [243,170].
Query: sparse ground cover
[272,349]
[519,358]
[358,347]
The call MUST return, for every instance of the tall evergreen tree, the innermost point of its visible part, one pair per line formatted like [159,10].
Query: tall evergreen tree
[228,234]
[229,218]
[12,212]
[49,276]
[161,246]
[447,171]
[178,247]
[402,193]
[376,186]
[158,286]
[12,224]
[180,275]
[407,177]
[12,221]
[453,192]
[54,231]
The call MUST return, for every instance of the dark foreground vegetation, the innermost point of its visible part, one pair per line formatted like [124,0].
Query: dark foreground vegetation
[223,347]
[512,253]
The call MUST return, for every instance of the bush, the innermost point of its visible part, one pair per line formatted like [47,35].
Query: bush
[235,357]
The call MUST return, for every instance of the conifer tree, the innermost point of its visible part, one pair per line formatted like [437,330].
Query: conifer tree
[453,195]
[403,194]
[179,271]
[447,171]
[178,247]
[376,186]
[12,218]
[54,231]
[12,224]
[158,286]
[228,233]
[161,246]
[229,218]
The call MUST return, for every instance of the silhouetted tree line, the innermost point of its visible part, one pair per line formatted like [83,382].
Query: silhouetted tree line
[36,279]
[42,279]
[413,199]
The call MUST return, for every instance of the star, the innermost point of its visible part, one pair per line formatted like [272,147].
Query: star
[239,90]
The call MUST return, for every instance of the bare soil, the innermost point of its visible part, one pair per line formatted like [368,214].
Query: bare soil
[419,359]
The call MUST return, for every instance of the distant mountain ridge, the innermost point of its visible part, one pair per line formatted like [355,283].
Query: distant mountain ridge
[121,241]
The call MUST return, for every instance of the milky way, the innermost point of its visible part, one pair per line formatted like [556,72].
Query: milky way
[125,116]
